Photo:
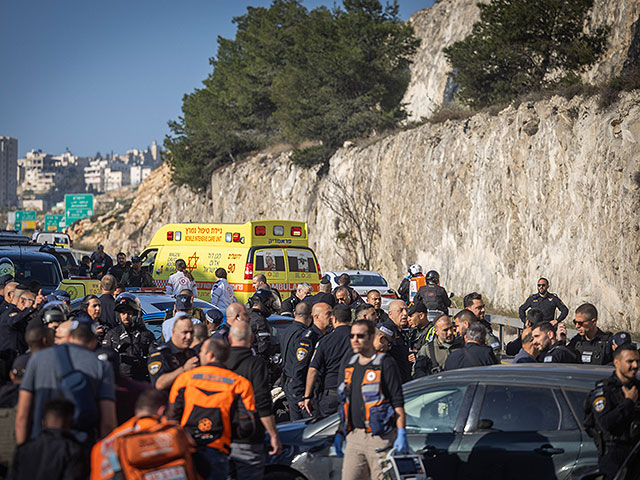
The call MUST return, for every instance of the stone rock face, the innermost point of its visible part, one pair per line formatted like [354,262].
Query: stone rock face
[449,21]
[493,202]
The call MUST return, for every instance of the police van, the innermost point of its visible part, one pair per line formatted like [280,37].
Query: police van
[279,249]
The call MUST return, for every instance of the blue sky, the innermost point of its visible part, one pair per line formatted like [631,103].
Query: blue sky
[102,76]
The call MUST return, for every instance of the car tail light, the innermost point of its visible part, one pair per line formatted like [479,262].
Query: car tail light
[236,237]
[296,231]
[319,271]
[260,230]
[169,236]
[248,271]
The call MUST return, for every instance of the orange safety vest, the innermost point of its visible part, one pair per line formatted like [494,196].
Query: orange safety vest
[379,413]
[414,285]
[215,401]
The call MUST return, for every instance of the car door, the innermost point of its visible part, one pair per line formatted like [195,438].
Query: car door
[519,431]
[435,419]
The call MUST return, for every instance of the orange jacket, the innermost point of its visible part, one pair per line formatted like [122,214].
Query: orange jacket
[214,405]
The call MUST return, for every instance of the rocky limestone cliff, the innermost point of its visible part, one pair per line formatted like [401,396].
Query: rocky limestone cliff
[492,203]
[449,21]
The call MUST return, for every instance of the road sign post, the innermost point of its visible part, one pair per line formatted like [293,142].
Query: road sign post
[53,223]
[77,206]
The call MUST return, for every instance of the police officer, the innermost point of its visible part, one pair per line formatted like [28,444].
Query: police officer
[433,296]
[325,365]
[301,321]
[474,353]
[344,281]
[544,301]
[375,298]
[299,357]
[130,338]
[398,321]
[170,359]
[614,405]
[14,320]
[303,290]
[261,306]
[135,276]
[475,304]
[591,343]
[551,350]
[420,327]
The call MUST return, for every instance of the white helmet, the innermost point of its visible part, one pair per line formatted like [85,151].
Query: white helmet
[415,269]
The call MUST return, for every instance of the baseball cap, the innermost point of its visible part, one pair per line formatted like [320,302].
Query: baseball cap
[184,301]
[61,295]
[342,313]
[135,259]
[417,308]
[214,316]
[325,280]
[19,366]
[619,339]
[385,330]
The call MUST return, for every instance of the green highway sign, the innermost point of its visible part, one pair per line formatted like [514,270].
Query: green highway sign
[77,206]
[53,223]
[25,220]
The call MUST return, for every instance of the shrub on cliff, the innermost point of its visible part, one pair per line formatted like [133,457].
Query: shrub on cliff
[522,46]
[293,75]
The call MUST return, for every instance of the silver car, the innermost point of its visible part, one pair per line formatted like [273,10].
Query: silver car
[362,281]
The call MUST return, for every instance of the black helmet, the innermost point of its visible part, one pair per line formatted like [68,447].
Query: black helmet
[264,299]
[54,311]
[432,277]
[127,301]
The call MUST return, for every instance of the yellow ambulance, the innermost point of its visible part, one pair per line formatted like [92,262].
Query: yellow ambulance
[279,249]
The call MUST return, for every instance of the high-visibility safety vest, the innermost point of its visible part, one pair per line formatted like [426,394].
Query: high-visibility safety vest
[379,412]
[414,285]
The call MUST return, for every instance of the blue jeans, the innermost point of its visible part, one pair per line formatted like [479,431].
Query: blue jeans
[218,461]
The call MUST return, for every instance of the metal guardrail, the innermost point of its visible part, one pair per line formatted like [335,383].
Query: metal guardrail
[516,323]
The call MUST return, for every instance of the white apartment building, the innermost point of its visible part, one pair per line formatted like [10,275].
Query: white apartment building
[94,176]
[8,172]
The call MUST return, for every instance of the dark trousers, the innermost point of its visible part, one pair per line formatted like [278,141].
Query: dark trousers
[612,460]
[295,412]
[328,403]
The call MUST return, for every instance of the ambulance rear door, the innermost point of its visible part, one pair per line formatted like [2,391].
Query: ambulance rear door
[302,266]
[271,262]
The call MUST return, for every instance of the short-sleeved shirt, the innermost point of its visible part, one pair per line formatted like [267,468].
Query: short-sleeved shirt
[167,325]
[329,354]
[165,359]
[43,372]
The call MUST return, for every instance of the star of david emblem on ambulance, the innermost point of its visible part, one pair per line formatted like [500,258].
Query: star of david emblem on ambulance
[192,262]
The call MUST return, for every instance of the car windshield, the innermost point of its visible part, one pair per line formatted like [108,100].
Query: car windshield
[364,280]
[45,272]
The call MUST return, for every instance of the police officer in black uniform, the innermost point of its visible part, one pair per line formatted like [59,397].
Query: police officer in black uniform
[544,301]
[169,360]
[130,338]
[398,321]
[14,320]
[322,378]
[261,306]
[433,296]
[551,350]
[591,343]
[613,411]
[421,330]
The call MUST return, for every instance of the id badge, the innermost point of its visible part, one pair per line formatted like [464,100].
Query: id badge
[586,357]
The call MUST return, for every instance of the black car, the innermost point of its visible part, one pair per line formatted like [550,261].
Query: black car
[32,265]
[521,421]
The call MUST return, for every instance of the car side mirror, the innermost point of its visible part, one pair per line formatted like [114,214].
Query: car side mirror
[485,424]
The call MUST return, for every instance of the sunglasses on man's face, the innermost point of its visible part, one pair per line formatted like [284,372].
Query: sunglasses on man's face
[579,324]
[359,335]
[542,285]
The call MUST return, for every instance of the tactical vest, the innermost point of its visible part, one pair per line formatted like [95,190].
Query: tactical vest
[592,354]
[379,413]
[414,285]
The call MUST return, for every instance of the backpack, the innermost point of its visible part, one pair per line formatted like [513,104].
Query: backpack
[76,387]
[162,451]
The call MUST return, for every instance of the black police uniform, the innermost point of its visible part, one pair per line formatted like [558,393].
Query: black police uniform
[108,311]
[417,338]
[382,315]
[117,271]
[594,352]
[399,351]
[296,364]
[261,333]
[434,297]
[558,353]
[321,297]
[617,422]
[492,341]
[131,278]
[289,305]
[471,355]
[166,358]
[13,324]
[546,304]
[329,354]
[222,332]
[133,345]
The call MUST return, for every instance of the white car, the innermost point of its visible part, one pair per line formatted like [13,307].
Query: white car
[362,281]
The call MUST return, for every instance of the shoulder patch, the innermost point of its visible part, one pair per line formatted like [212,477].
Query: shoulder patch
[301,353]
[599,403]
[154,367]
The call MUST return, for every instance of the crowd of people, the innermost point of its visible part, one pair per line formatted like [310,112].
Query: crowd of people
[74,376]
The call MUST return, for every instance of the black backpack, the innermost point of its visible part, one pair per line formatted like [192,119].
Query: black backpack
[76,387]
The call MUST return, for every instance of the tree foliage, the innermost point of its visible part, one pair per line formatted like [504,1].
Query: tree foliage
[293,75]
[520,46]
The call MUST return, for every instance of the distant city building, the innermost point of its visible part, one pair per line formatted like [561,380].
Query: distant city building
[8,172]
[138,174]
[38,205]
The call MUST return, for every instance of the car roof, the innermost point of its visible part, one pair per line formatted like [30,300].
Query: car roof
[24,253]
[353,272]
[543,374]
